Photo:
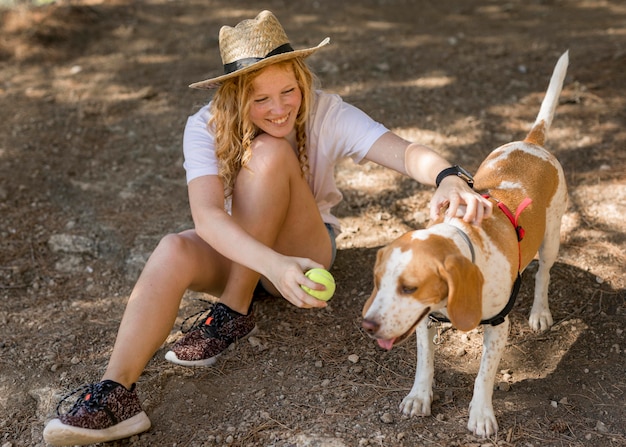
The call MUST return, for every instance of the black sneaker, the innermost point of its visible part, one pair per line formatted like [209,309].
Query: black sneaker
[209,337]
[104,411]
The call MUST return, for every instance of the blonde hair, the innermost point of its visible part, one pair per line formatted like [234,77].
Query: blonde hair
[234,131]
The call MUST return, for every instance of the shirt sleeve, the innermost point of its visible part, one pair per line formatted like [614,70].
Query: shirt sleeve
[343,130]
[199,146]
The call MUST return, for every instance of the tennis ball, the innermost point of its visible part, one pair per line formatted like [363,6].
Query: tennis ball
[323,277]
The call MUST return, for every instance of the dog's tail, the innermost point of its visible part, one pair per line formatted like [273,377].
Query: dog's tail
[537,134]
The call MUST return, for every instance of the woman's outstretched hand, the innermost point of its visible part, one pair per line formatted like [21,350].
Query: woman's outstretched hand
[460,199]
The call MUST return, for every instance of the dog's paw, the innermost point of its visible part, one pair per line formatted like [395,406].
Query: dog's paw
[414,405]
[540,321]
[482,422]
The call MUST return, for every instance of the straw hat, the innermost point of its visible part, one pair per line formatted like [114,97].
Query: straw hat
[253,44]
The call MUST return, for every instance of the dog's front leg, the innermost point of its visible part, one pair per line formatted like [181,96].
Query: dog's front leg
[482,420]
[419,399]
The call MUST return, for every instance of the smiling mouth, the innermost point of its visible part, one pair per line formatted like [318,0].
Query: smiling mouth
[390,343]
[279,121]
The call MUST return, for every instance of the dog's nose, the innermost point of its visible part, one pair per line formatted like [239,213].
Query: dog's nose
[370,326]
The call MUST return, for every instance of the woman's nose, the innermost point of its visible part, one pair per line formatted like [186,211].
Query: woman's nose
[278,105]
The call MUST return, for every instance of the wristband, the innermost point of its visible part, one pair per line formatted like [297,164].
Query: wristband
[459,172]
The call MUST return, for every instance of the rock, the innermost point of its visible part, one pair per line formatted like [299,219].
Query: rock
[69,264]
[254,341]
[67,243]
[504,386]
[386,418]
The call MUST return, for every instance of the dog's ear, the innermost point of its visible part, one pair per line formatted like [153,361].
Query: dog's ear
[465,290]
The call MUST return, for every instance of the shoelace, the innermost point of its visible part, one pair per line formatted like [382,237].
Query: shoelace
[207,319]
[91,396]
[199,318]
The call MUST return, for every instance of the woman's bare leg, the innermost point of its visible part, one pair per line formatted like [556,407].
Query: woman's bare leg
[279,210]
[273,202]
[179,262]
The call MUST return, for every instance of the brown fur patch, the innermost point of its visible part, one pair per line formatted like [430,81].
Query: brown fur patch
[538,180]
[537,134]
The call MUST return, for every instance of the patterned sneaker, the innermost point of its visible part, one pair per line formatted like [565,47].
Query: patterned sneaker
[104,411]
[209,337]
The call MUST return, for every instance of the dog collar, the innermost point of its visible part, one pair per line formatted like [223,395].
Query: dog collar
[466,238]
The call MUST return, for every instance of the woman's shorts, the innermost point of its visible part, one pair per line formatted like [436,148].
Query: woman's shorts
[333,242]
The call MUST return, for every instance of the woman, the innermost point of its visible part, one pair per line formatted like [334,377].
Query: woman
[260,161]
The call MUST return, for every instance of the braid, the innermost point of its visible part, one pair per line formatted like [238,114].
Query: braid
[307,82]
[303,156]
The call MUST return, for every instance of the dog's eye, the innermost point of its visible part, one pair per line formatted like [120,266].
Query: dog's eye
[407,290]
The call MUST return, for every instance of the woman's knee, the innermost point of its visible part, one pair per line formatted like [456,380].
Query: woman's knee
[272,155]
[194,259]
[172,244]
[180,248]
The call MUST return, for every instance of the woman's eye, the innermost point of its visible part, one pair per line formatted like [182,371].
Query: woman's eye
[260,100]
[291,90]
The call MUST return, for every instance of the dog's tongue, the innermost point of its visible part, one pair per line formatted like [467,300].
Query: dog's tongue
[386,344]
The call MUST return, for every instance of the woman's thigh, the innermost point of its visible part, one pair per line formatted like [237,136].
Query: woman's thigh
[273,201]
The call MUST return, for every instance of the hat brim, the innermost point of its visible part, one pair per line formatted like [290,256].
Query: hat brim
[215,82]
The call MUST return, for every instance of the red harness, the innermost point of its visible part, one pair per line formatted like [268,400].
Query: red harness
[514,220]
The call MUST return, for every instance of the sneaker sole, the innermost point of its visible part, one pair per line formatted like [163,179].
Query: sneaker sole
[171,356]
[57,433]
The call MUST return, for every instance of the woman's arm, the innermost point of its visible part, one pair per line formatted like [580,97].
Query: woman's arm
[215,226]
[423,164]
[219,230]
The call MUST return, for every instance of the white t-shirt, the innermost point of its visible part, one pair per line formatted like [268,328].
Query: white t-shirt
[335,130]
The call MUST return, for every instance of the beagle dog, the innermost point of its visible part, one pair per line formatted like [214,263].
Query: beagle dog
[468,274]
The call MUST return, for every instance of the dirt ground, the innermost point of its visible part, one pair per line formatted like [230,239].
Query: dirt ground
[94,98]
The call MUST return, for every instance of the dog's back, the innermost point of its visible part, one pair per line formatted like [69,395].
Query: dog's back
[510,174]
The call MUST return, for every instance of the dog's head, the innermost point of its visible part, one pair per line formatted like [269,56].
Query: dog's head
[416,274]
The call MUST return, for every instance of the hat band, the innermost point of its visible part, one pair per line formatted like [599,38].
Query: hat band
[246,62]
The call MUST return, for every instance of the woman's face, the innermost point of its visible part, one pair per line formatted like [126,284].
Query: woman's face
[275,100]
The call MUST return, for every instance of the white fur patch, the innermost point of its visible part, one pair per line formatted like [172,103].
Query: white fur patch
[495,267]
[420,235]
[510,185]
[505,151]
